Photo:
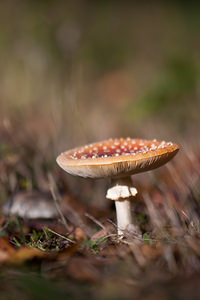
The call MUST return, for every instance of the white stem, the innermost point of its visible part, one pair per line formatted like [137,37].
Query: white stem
[124,218]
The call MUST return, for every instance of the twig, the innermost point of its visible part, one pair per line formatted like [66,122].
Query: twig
[110,235]
[4,226]
[51,186]
[111,222]
[61,236]
[95,221]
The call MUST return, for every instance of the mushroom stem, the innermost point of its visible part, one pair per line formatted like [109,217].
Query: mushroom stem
[124,218]
[122,192]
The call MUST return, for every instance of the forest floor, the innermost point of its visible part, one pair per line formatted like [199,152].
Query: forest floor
[77,253]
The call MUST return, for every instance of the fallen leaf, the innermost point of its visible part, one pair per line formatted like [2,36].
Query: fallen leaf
[110,252]
[68,252]
[151,252]
[25,254]
[99,234]
[6,250]
[80,234]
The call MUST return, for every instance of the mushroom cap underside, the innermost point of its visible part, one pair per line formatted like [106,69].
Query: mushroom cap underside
[116,157]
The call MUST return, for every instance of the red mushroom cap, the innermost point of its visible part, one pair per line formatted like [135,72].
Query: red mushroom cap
[117,157]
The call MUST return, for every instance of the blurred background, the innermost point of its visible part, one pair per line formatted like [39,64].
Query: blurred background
[74,72]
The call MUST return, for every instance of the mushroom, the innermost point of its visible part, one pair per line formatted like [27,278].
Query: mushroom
[31,205]
[118,159]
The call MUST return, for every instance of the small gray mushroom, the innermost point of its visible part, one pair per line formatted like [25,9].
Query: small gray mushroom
[31,205]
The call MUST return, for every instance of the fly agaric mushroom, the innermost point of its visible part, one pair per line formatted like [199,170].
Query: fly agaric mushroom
[118,159]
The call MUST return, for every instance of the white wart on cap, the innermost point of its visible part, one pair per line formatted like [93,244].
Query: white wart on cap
[117,157]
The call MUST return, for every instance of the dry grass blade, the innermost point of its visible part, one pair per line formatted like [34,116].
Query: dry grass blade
[135,248]
[170,259]
[153,212]
[61,236]
[56,201]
